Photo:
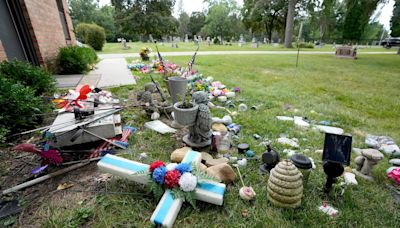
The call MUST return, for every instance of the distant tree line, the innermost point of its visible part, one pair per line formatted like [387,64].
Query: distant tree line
[323,20]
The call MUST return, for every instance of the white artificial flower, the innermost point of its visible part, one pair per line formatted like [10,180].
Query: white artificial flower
[171,166]
[188,182]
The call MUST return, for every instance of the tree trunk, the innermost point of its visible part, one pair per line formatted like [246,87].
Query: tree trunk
[289,24]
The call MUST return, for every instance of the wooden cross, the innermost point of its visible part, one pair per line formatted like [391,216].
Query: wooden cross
[168,207]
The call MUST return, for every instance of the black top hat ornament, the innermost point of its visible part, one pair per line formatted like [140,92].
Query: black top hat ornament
[269,158]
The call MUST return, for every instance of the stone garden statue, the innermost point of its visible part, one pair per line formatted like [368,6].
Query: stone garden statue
[364,163]
[200,133]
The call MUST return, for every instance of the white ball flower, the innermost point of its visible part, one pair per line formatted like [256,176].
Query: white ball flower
[188,182]
[171,166]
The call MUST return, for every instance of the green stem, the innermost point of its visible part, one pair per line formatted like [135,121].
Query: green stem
[240,176]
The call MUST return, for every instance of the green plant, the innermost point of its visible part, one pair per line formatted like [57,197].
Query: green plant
[19,106]
[304,45]
[75,60]
[91,34]
[29,75]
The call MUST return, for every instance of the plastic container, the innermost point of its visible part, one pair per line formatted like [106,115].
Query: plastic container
[303,163]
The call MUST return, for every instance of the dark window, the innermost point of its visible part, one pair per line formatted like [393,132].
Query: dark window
[60,7]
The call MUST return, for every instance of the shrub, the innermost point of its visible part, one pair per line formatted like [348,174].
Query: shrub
[91,34]
[29,75]
[75,60]
[304,45]
[18,106]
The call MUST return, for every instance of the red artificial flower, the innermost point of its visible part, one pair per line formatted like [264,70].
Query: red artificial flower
[155,165]
[171,178]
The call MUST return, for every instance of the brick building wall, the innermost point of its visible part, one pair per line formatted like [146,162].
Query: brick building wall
[3,55]
[46,28]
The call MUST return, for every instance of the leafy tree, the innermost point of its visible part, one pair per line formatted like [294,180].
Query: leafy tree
[196,22]
[184,23]
[88,11]
[261,15]
[358,13]
[395,21]
[217,21]
[145,17]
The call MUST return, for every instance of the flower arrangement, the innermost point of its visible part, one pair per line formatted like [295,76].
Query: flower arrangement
[181,179]
[144,53]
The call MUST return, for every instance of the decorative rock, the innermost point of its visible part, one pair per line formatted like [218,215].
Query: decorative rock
[178,154]
[299,122]
[214,162]
[285,185]
[357,151]
[395,161]
[391,168]
[222,98]
[222,172]
[227,120]
[233,159]
[242,107]
[329,129]
[242,162]
[288,142]
[250,153]
[230,94]
[155,116]
[219,127]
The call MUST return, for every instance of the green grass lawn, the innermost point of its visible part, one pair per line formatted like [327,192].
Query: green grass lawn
[136,46]
[362,96]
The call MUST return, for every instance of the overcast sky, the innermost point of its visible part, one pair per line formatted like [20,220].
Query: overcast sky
[197,5]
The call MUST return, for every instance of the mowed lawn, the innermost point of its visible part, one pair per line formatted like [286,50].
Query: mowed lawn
[361,96]
[111,48]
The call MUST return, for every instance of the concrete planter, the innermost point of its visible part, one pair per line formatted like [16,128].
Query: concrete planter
[177,88]
[185,116]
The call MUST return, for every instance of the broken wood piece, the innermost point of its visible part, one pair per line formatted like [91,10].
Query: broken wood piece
[43,178]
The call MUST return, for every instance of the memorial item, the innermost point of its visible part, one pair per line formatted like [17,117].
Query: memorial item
[199,120]
[364,163]
[182,182]
[303,164]
[337,152]
[285,185]
[269,158]
[245,192]
[242,148]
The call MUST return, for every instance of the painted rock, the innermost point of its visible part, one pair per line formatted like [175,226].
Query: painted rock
[395,161]
[219,127]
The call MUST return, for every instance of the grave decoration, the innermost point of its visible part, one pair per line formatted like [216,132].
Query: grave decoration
[269,158]
[198,117]
[176,182]
[394,175]
[144,53]
[285,185]
[337,152]
[365,162]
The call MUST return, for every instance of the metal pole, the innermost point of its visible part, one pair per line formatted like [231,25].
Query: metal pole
[298,47]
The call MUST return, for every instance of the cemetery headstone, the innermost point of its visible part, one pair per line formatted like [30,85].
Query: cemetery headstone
[151,39]
[346,52]
[208,41]
[241,40]
[219,40]
[254,43]
[195,40]
[186,38]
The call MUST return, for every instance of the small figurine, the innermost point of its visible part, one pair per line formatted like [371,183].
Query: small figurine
[364,163]
[200,133]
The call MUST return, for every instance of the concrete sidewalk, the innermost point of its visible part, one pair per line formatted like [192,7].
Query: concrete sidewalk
[125,55]
[114,72]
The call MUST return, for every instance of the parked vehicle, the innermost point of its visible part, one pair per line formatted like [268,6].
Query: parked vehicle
[391,42]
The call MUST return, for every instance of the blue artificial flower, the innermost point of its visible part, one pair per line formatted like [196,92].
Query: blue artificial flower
[184,168]
[159,174]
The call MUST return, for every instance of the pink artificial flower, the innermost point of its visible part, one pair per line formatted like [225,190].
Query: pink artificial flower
[247,193]
[395,175]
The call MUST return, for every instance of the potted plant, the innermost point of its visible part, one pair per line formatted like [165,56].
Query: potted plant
[185,111]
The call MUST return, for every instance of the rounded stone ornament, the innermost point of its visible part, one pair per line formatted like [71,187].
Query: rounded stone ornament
[285,185]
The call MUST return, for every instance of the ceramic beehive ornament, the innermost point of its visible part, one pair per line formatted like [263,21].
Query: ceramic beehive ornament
[285,185]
